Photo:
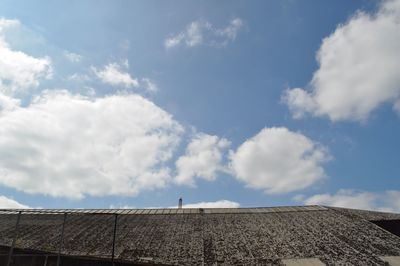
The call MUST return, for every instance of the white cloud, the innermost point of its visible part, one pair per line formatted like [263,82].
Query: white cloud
[115,75]
[203,33]
[7,103]
[202,159]
[192,36]
[72,57]
[19,71]
[194,32]
[344,198]
[112,206]
[299,102]
[5,24]
[70,146]
[7,203]
[358,68]
[392,197]
[149,85]
[212,204]
[348,198]
[204,204]
[279,161]
[174,40]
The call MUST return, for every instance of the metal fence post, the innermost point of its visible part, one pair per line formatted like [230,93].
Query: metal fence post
[14,240]
[113,243]
[60,245]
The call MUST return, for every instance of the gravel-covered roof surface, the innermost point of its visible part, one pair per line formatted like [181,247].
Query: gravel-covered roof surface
[369,215]
[257,236]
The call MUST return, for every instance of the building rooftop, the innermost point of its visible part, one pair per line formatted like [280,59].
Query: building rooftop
[243,236]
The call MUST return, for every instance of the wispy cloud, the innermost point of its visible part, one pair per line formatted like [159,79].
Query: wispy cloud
[202,32]
[78,77]
[148,85]
[115,74]
[72,57]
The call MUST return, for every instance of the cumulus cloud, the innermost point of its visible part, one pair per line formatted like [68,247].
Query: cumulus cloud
[67,145]
[72,57]
[8,103]
[213,204]
[358,68]
[278,160]
[7,203]
[204,33]
[202,159]
[116,75]
[349,198]
[19,71]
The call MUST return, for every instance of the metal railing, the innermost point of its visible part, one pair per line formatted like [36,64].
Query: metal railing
[60,245]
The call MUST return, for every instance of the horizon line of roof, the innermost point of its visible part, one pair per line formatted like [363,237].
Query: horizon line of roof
[166,211]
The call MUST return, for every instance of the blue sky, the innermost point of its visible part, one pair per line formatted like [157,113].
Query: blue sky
[229,103]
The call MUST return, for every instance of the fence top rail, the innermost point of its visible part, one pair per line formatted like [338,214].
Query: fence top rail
[165,211]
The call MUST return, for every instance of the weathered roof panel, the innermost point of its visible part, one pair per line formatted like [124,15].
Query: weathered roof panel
[250,236]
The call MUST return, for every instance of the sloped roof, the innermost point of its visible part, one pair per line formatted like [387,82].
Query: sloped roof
[244,236]
[369,215]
